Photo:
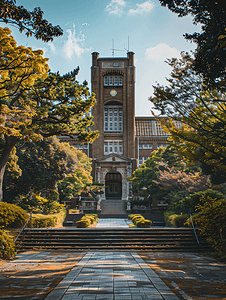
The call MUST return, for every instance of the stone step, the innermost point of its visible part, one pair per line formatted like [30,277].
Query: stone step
[182,239]
[112,206]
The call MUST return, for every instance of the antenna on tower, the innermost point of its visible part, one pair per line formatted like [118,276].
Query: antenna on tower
[113,47]
[127,50]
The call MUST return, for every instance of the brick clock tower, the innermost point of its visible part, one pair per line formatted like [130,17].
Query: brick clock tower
[113,153]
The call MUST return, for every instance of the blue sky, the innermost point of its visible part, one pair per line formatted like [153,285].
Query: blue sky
[154,33]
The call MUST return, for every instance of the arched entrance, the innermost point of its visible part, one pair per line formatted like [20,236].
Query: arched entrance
[113,183]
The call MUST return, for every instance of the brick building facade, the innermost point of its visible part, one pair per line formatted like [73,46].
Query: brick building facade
[125,141]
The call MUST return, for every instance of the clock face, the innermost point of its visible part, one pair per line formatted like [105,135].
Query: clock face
[113,93]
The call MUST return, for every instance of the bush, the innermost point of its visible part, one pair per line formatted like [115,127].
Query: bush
[194,220]
[169,218]
[12,216]
[90,217]
[83,223]
[93,216]
[137,219]
[132,215]
[187,205]
[87,220]
[7,246]
[144,223]
[39,205]
[212,222]
[180,221]
[140,221]
[43,221]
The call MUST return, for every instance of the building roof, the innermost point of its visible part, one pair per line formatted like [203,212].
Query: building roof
[148,126]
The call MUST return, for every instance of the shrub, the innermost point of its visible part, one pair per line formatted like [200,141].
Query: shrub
[83,223]
[144,223]
[137,219]
[180,221]
[212,222]
[194,220]
[90,217]
[140,221]
[132,215]
[43,221]
[7,246]
[87,220]
[169,217]
[93,216]
[12,215]
[40,205]
[187,205]
[73,211]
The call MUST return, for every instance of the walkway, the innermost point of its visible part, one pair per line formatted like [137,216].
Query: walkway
[113,275]
[113,223]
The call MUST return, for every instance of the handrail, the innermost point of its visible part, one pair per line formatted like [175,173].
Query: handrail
[93,194]
[194,229]
[22,229]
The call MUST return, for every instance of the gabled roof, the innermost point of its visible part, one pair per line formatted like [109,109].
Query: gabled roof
[113,157]
[149,126]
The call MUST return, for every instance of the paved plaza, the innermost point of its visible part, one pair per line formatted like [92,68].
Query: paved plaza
[113,275]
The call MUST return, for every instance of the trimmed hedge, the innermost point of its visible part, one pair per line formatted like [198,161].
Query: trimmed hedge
[140,221]
[144,223]
[180,220]
[87,220]
[174,220]
[7,246]
[132,215]
[12,216]
[46,221]
[83,223]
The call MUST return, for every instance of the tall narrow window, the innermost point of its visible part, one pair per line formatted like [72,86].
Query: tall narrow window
[110,80]
[113,118]
[115,80]
[120,80]
[105,80]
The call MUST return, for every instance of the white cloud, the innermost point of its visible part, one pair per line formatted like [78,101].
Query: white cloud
[73,45]
[161,52]
[52,47]
[142,8]
[116,7]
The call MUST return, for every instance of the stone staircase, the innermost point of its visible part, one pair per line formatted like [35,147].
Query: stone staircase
[113,207]
[152,239]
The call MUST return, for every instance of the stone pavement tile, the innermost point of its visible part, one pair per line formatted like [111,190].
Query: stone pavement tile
[189,275]
[33,274]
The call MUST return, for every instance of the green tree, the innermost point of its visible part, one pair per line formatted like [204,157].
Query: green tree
[36,103]
[43,164]
[200,135]
[31,22]
[79,181]
[147,175]
[210,62]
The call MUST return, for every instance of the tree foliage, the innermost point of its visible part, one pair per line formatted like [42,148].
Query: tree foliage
[212,222]
[200,135]
[151,175]
[43,164]
[36,103]
[79,181]
[31,22]
[210,62]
